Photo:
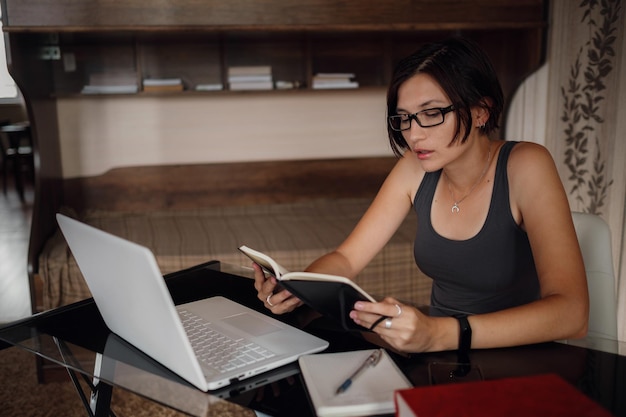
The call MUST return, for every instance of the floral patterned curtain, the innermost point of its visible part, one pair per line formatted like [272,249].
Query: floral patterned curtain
[586,115]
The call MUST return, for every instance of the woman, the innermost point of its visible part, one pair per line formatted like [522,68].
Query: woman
[494,225]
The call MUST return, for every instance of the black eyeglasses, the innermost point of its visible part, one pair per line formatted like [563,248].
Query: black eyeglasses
[425,118]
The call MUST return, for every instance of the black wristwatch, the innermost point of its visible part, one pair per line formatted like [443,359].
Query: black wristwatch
[465,335]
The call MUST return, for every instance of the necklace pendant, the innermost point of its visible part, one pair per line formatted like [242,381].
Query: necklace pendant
[455,208]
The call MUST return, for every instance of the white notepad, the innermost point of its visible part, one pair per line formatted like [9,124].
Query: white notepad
[371,393]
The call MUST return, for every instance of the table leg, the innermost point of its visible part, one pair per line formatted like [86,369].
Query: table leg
[99,403]
[101,393]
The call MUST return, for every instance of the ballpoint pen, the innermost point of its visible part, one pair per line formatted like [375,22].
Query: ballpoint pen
[371,361]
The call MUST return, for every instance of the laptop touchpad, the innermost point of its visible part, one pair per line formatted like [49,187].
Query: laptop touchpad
[248,323]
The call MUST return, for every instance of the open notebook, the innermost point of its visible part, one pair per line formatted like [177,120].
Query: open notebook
[132,297]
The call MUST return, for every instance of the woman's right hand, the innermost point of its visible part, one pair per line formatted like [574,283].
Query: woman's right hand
[274,297]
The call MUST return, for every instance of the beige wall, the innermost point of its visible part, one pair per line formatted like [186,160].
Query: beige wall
[100,133]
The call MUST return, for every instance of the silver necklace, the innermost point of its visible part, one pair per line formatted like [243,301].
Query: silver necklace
[455,206]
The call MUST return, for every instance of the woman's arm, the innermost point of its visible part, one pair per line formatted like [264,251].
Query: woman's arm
[378,224]
[376,227]
[539,203]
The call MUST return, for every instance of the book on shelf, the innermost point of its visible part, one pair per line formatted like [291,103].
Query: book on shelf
[114,82]
[323,81]
[156,85]
[333,85]
[250,78]
[156,82]
[286,85]
[210,87]
[537,395]
[371,392]
[251,85]
[330,295]
[110,89]
[334,76]
[249,70]
[162,88]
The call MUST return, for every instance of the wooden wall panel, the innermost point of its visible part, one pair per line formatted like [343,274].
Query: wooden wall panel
[93,14]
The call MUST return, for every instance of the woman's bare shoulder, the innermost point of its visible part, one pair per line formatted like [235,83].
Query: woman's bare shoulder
[408,173]
[530,159]
[534,178]
[523,149]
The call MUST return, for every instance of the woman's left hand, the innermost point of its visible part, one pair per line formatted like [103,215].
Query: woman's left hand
[275,298]
[405,328]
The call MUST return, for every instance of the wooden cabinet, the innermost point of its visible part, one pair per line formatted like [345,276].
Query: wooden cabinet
[55,47]
[203,57]
[198,41]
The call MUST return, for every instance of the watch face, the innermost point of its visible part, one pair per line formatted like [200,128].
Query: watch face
[465,335]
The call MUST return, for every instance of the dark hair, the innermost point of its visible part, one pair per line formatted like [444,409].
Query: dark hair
[463,71]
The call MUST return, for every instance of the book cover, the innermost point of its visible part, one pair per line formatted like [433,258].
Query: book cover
[162,82]
[334,76]
[249,78]
[371,393]
[330,295]
[110,89]
[546,395]
[210,87]
[334,85]
[324,81]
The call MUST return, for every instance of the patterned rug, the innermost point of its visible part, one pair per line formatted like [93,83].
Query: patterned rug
[22,395]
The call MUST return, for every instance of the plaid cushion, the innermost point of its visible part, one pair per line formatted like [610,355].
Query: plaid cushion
[294,234]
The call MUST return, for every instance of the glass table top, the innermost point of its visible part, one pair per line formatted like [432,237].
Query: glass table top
[76,338]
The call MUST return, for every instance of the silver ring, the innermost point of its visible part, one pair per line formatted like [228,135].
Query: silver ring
[268,300]
[399,310]
[388,324]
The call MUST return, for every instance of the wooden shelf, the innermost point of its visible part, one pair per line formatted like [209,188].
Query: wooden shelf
[204,57]
[368,15]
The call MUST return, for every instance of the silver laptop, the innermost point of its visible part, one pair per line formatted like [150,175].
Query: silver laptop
[134,301]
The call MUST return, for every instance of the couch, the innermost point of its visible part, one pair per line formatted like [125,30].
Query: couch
[188,214]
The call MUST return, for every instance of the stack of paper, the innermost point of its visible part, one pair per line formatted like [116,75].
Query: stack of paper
[334,80]
[250,78]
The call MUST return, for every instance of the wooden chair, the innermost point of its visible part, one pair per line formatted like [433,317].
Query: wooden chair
[17,153]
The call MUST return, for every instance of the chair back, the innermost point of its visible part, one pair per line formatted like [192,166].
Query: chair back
[594,238]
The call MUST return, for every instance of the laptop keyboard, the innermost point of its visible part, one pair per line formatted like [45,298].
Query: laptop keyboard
[218,351]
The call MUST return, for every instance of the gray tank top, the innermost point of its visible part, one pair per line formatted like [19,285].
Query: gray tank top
[491,271]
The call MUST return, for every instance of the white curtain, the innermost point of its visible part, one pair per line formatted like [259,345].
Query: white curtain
[586,116]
